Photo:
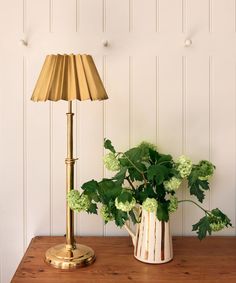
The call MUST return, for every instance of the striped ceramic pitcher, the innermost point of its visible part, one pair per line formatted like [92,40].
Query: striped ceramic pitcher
[152,240]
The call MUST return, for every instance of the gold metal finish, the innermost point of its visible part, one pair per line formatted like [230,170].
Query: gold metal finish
[69,77]
[69,255]
[60,257]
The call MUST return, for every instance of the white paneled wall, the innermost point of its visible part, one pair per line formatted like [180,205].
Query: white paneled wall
[182,98]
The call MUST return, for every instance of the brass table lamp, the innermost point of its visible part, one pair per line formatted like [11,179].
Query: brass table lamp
[69,77]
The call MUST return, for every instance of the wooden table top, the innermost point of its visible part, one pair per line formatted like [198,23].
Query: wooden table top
[212,260]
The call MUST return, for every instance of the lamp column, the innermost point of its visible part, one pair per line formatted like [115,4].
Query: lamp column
[70,162]
[69,255]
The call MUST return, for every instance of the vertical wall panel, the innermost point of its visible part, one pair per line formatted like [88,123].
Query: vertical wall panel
[11,18]
[197,17]
[223,137]
[11,95]
[223,16]
[90,9]
[117,15]
[197,126]
[11,198]
[37,16]
[90,154]
[64,15]
[58,169]
[143,99]
[170,123]
[38,156]
[117,111]
[144,16]
[89,149]
[170,19]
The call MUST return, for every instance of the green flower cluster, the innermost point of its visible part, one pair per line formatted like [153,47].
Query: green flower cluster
[145,144]
[105,213]
[172,184]
[217,226]
[78,202]
[150,204]
[205,170]
[184,166]
[173,204]
[111,162]
[127,206]
[216,223]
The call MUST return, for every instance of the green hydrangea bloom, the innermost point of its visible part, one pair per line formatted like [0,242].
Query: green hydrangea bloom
[205,169]
[127,206]
[106,215]
[217,226]
[172,184]
[78,202]
[184,166]
[111,162]
[216,223]
[147,145]
[150,204]
[173,204]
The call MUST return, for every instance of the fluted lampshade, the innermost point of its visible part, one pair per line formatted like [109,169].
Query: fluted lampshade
[69,77]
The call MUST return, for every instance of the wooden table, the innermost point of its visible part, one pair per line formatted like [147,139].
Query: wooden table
[211,261]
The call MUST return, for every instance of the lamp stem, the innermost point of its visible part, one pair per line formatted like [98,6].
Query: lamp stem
[69,255]
[70,161]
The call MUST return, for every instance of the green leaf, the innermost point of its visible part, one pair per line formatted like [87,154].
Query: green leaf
[164,158]
[134,154]
[134,173]
[120,217]
[140,194]
[160,191]
[108,145]
[91,189]
[197,191]
[193,177]
[157,172]
[162,212]
[108,190]
[92,208]
[204,184]
[124,162]
[90,186]
[125,196]
[133,217]
[202,227]
[120,176]
[150,191]
[154,155]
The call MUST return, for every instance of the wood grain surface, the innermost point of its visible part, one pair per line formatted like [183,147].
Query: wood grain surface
[212,260]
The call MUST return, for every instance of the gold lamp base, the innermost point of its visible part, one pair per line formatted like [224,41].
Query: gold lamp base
[60,257]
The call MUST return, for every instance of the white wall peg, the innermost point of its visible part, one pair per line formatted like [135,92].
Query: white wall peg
[23,42]
[188,43]
[105,43]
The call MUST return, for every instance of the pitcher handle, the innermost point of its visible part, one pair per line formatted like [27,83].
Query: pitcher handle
[129,230]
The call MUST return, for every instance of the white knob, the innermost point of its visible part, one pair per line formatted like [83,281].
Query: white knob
[188,42]
[105,43]
[23,42]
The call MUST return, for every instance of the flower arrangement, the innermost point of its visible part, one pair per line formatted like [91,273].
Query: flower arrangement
[150,179]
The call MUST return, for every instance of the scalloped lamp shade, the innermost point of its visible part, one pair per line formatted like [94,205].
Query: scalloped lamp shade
[69,77]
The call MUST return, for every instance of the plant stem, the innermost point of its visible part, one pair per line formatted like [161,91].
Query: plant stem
[189,200]
[164,162]
[131,184]
[141,172]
